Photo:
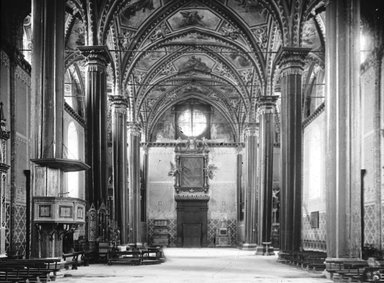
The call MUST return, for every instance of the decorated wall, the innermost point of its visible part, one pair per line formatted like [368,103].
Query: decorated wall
[161,203]
[15,96]
[314,190]
[372,110]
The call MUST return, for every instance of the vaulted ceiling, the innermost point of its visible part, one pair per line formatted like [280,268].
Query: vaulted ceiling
[221,51]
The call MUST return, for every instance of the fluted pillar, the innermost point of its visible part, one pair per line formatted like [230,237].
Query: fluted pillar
[96,113]
[291,62]
[119,106]
[134,182]
[250,186]
[266,112]
[48,76]
[343,136]
[48,106]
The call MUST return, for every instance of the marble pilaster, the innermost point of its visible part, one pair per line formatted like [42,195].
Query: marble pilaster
[250,198]
[343,137]
[119,106]
[291,62]
[96,113]
[266,111]
[134,181]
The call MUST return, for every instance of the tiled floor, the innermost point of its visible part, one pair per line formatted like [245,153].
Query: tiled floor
[197,265]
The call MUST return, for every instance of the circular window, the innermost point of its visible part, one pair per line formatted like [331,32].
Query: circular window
[192,123]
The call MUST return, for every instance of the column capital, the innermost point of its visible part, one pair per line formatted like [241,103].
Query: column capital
[133,128]
[291,59]
[266,104]
[95,55]
[118,101]
[250,129]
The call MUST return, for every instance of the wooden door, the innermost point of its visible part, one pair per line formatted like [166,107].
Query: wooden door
[192,235]
[192,223]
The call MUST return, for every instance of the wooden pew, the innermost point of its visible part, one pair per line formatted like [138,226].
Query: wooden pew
[130,256]
[29,268]
[75,259]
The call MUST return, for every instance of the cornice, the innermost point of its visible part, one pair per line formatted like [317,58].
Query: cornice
[74,114]
[192,197]
[291,59]
[314,115]
[118,101]
[95,54]
[374,59]
[14,55]
[174,144]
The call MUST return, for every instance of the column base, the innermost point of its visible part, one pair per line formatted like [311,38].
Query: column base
[265,249]
[248,246]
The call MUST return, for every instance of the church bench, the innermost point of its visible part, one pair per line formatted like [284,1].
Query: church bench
[152,254]
[313,260]
[74,259]
[130,256]
[44,267]
[23,274]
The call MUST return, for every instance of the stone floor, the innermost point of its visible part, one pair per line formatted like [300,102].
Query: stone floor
[197,265]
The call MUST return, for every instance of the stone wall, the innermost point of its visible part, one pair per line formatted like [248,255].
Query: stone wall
[371,151]
[222,205]
[16,98]
[313,205]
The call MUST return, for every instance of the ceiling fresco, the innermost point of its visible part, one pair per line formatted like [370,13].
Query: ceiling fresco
[138,12]
[194,18]
[219,51]
[252,12]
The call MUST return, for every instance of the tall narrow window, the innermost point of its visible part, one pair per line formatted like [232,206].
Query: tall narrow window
[73,153]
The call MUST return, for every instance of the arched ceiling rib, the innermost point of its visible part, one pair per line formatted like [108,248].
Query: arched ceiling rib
[220,51]
[221,43]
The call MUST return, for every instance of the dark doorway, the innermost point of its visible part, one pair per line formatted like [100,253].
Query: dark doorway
[192,235]
[192,223]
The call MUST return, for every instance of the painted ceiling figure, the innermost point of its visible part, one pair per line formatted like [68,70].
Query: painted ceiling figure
[191,18]
[194,63]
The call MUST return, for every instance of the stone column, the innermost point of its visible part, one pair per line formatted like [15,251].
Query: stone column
[119,106]
[250,186]
[291,62]
[96,113]
[239,197]
[266,133]
[48,105]
[134,182]
[343,136]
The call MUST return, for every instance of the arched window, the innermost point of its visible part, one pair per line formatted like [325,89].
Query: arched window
[192,119]
[73,153]
[192,122]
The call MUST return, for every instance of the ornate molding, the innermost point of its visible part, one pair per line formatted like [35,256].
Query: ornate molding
[291,60]
[191,190]
[250,130]
[133,129]
[314,115]
[210,144]
[74,114]
[118,101]
[4,59]
[192,197]
[95,56]
[192,146]
[266,104]
[23,76]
